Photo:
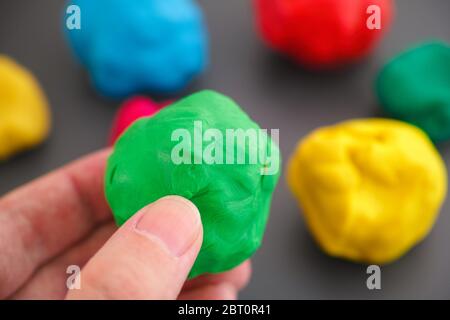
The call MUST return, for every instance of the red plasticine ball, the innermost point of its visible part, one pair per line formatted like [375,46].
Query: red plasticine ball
[131,110]
[322,33]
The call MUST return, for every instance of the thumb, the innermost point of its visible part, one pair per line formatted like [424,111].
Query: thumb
[149,257]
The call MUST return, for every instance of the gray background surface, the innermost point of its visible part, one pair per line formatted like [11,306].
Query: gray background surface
[277,94]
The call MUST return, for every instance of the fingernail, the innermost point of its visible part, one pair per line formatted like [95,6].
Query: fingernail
[174,220]
[226,291]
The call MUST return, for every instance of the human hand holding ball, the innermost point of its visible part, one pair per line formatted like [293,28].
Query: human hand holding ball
[63,219]
[163,239]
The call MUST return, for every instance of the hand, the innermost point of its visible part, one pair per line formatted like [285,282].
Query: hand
[63,219]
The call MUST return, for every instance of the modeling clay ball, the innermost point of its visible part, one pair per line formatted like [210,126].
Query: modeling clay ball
[131,110]
[139,45]
[206,149]
[415,87]
[24,114]
[369,189]
[323,33]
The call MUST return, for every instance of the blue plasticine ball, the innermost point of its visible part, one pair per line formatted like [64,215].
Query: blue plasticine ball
[132,46]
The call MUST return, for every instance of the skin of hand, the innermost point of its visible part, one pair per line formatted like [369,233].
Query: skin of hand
[62,219]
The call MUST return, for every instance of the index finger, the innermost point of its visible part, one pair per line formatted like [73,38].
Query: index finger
[44,217]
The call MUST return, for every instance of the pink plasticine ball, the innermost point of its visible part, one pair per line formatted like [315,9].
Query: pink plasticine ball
[131,110]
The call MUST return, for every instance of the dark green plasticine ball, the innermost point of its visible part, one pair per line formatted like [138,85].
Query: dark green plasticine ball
[415,87]
[233,199]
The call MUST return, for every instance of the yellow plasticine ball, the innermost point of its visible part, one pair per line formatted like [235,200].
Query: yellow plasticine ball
[370,189]
[24,112]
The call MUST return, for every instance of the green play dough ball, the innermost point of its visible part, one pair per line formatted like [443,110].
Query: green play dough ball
[415,87]
[233,198]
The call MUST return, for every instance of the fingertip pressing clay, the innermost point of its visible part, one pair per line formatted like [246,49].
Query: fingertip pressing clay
[24,111]
[137,46]
[131,110]
[369,189]
[415,87]
[323,33]
[233,198]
